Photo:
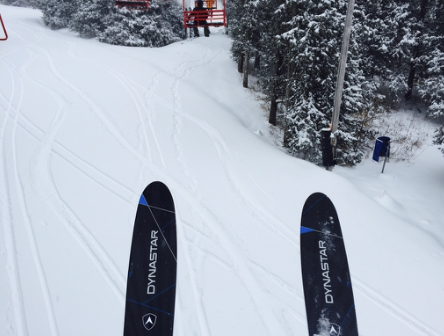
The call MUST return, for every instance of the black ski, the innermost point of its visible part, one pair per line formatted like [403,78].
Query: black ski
[151,286]
[328,290]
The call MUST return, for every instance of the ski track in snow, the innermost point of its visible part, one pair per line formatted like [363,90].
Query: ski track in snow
[393,309]
[144,109]
[27,221]
[90,244]
[43,181]
[177,109]
[244,273]
[17,322]
[204,325]
[201,313]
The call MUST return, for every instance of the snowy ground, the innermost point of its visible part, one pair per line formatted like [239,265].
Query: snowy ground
[85,126]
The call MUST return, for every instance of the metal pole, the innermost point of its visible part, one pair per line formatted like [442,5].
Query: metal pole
[387,153]
[341,75]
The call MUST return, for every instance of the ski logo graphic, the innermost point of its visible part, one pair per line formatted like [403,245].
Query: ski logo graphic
[151,287]
[149,321]
[330,329]
[335,330]
[325,269]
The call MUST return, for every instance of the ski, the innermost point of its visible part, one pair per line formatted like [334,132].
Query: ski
[328,293]
[151,284]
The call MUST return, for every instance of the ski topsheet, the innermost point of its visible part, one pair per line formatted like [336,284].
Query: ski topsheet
[328,290]
[151,285]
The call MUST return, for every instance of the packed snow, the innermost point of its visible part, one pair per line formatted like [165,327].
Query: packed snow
[85,126]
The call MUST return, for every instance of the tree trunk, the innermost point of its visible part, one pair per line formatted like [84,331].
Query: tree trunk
[411,80]
[246,69]
[290,71]
[272,119]
[416,53]
[257,60]
[240,63]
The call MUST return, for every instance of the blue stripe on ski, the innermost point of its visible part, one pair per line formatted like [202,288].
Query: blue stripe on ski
[346,315]
[323,196]
[165,290]
[305,229]
[168,224]
[142,200]
[154,308]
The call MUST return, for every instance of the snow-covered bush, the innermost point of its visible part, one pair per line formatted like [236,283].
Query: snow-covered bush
[88,21]
[439,138]
[57,14]
[407,131]
[23,3]
[160,26]
[433,91]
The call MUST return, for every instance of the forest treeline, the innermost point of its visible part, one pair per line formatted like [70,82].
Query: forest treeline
[292,47]
[160,25]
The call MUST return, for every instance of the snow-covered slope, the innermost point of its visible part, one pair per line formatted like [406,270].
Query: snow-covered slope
[85,126]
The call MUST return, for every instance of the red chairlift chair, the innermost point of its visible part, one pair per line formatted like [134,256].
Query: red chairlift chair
[4,30]
[133,4]
[213,15]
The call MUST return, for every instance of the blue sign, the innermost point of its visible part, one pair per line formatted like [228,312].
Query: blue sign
[382,148]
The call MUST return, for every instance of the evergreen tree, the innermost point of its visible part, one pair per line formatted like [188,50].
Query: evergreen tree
[57,14]
[388,44]
[433,91]
[272,51]
[160,26]
[432,88]
[235,29]
[22,3]
[400,42]
[439,137]
[89,19]
[244,24]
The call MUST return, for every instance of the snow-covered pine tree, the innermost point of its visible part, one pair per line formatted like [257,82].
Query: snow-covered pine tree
[389,43]
[433,91]
[57,14]
[400,42]
[22,3]
[432,85]
[272,51]
[315,36]
[432,88]
[89,19]
[160,26]
[244,29]
[376,33]
[439,137]
[234,17]
[421,42]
